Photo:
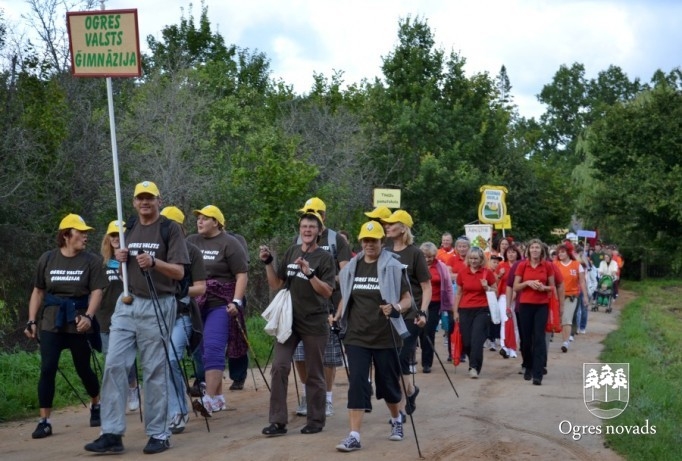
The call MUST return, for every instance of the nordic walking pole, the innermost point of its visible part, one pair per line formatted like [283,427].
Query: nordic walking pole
[336,332]
[253,354]
[298,396]
[402,379]
[272,349]
[441,364]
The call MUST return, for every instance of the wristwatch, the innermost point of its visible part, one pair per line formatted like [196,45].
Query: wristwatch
[311,275]
[237,302]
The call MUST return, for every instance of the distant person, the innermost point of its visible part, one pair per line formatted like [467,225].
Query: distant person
[67,290]
[471,307]
[442,300]
[534,284]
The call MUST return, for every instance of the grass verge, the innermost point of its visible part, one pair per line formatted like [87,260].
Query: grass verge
[649,338]
[20,370]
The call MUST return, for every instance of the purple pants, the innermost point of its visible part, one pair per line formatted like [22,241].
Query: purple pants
[215,337]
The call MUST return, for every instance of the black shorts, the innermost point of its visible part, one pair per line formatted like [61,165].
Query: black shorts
[386,376]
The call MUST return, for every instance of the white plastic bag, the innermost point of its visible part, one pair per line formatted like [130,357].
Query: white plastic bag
[279,316]
[492,304]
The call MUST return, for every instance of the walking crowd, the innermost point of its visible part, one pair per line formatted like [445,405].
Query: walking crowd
[157,294]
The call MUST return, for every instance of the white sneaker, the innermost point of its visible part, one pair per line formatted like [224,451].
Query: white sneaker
[302,409]
[207,402]
[177,424]
[133,399]
[582,332]
[218,403]
[571,338]
[329,409]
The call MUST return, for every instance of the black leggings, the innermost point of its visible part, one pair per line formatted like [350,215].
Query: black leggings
[51,347]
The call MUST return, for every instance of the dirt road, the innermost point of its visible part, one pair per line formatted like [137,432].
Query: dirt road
[499,416]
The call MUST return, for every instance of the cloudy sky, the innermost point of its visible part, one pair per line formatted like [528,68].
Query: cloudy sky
[532,38]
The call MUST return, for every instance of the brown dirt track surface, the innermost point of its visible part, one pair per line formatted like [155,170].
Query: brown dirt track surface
[497,417]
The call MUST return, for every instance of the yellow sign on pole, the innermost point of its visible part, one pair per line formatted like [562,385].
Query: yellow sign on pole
[493,207]
[387,197]
[104,43]
[505,224]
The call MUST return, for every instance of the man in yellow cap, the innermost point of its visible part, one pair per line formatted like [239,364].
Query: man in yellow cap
[139,327]
[338,247]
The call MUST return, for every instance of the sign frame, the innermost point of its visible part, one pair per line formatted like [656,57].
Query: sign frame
[390,198]
[108,70]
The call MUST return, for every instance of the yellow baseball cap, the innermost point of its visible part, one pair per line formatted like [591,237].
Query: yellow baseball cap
[314,204]
[400,216]
[314,214]
[146,187]
[211,211]
[115,227]
[372,230]
[73,221]
[380,212]
[174,213]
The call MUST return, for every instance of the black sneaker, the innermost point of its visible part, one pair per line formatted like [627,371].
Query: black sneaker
[106,443]
[410,402]
[237,386]
[43,430]
[156,446]
[95,420]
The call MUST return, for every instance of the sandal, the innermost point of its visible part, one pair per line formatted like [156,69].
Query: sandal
[275,429]
[308,429]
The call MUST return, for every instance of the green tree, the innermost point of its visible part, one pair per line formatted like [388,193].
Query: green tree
[632,192]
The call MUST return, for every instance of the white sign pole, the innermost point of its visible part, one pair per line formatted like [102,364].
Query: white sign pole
[117,182]
[119,205]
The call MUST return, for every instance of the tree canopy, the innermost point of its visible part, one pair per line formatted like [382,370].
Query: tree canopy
[209,124]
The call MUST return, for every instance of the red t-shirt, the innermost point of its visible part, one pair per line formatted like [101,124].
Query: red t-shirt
[435,282]
[458,264]
[541,272]
[502,277]
[469,284]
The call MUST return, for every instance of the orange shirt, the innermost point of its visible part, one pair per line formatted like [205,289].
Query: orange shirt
[571,275]
[447,258]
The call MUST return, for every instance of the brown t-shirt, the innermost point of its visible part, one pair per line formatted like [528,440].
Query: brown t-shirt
[414,263]
[67,277]
[367,324]
[111,293]
[310,309]
[342,252]
[148,239]
[196,263]
[224,258]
